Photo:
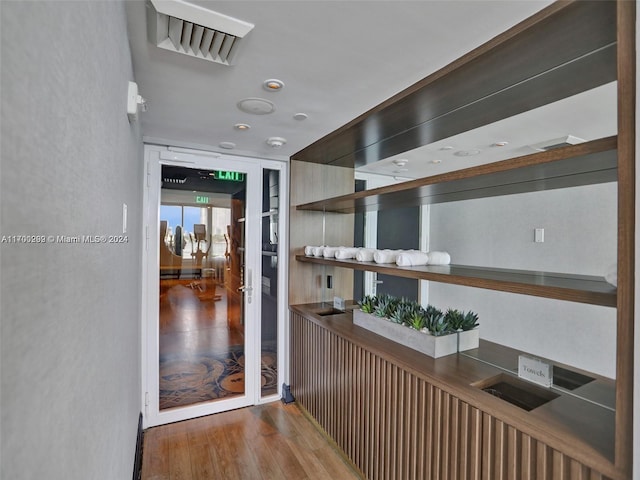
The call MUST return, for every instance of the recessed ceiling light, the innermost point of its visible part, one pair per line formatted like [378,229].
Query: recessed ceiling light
[466,153]
[435,162]
[242,126]
[401,162]
[256,106]
[500,144]
[447,147]
[227,145]
[273,85]
[276,142]
[400,170]
[300,116]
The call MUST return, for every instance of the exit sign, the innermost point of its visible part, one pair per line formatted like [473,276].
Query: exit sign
[228,176]
[202,199]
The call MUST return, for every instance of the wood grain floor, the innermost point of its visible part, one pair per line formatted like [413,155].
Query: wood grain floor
[272,441]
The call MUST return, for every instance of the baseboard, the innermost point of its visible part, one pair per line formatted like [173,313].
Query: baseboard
[137,462]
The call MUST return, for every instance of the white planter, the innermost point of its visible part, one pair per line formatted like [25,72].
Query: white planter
[423,342]
[468,340]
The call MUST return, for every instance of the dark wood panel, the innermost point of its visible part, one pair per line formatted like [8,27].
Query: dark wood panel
[626,231]
[583,164]
[563,50]
[573,288]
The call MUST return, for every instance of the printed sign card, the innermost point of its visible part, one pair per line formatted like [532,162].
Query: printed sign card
[535,370]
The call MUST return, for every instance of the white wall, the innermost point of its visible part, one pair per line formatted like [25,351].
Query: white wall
[70,341]
[580,238]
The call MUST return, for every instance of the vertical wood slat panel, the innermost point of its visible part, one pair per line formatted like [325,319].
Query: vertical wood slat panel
[488,433]
[514,459]
[395,425]
[454,441]
[475,460]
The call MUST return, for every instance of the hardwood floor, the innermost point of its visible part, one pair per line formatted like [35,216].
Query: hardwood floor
[272,441]
[192,321]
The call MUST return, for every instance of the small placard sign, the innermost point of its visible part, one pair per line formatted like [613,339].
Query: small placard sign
[535,370]
[338,303]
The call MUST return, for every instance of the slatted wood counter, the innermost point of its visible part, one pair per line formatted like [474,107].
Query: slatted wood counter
[401,415]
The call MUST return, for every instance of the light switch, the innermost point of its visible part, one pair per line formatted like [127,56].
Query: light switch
[538,235]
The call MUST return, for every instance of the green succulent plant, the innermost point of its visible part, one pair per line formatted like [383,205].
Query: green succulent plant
[436,322]
[417,317]
[401,313]
[412,314]
[368,303]
[455,318]
[385,306]
[461,321]
[469,321]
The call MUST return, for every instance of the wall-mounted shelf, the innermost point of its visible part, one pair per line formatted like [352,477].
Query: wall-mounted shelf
[583,164]
[574,288]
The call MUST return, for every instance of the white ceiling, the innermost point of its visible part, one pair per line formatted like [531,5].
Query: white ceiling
[337,59]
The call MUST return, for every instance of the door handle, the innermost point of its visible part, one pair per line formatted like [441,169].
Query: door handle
[247,288]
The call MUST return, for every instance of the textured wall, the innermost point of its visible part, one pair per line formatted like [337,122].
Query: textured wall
[580,238]
[70,332]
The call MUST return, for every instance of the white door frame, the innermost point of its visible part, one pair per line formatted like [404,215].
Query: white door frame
[155,156]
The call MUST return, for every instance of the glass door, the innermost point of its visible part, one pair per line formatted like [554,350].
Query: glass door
[269,275]
[204,319]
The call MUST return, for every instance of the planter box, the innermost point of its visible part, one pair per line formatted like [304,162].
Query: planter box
[423,342]
[468,340]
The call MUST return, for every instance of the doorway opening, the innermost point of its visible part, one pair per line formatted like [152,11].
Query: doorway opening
[215,305]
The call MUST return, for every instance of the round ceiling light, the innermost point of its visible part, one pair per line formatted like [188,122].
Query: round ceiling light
[500,144]
[276,142]
[242,126]
[300,116]
[273,85]
[227,145]
[466,153]
[400,162]
[436,162]
[256,106]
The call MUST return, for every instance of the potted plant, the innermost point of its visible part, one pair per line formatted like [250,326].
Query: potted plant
[465,324]
[408,323]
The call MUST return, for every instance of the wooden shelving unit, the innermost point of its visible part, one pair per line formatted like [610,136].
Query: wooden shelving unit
[567,48]
[573,288]
[583,164]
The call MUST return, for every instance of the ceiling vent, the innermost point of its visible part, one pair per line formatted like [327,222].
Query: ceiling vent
[195,31]
[565,141]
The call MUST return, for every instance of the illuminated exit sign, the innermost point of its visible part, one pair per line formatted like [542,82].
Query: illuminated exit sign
[229,176]
[202,199]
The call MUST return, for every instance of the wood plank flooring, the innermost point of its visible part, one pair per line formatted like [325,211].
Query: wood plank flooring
[272,441]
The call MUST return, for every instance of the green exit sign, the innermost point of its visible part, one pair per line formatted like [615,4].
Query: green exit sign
[228,176]
[202,199]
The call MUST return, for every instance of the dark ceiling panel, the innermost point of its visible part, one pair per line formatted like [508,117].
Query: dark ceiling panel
[524,62]
[199,180]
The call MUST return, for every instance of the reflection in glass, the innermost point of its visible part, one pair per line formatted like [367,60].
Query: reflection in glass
[201,324]
[269,276]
